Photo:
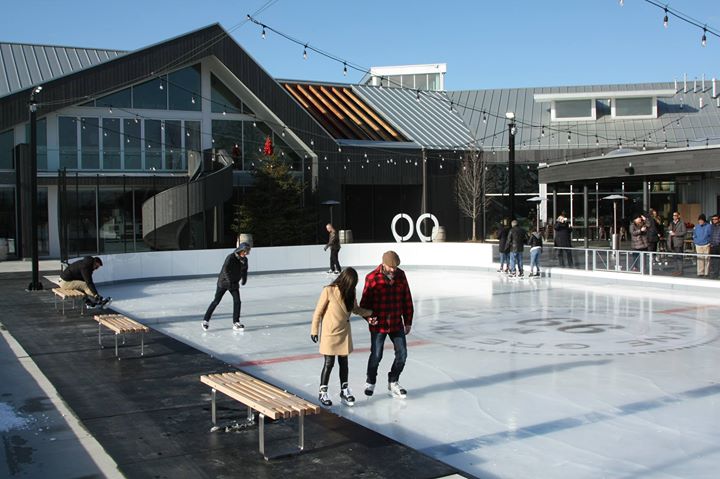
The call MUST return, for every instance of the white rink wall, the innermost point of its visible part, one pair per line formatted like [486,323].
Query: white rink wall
[168,264]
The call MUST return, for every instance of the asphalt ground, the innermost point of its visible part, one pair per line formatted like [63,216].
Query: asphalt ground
[84,413]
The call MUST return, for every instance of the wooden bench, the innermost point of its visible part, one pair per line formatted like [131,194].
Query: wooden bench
[267,400]
[64,294]
[120,324]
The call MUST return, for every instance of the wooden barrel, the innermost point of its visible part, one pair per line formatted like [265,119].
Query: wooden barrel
[346,236]
[438,234]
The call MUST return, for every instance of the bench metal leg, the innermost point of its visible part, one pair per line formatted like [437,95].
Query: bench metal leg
[301,427]
[214,418]
[250,416]
[100,335]
[116,347]
[261,434]
[142,343]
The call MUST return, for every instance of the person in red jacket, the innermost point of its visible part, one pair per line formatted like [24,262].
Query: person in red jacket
[387,294]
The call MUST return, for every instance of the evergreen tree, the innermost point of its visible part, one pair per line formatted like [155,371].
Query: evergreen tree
[273,211]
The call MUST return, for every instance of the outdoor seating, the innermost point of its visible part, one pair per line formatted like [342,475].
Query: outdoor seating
[120,324]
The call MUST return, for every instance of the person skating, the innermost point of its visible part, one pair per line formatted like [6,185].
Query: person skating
[387,294]
[233,273]
[331,324]
[536,245]
[334,245]
[79,276]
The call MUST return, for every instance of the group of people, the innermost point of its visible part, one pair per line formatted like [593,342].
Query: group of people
[386,304]
[647,234]
[512,242]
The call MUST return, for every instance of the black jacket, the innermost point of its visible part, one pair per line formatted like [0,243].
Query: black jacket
[535,240]
[234,270]
[516,239]
[503,243]
[81,270]
[562,234]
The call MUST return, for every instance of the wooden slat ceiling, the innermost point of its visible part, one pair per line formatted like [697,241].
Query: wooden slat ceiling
[342,113]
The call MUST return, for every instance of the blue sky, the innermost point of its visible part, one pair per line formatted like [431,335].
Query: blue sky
[486,44]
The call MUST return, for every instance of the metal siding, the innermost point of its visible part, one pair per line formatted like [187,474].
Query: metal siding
[10,68]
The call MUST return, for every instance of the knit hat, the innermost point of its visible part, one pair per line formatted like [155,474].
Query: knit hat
[242,247]
[391,259]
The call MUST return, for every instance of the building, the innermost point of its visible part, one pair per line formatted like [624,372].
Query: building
[125,145]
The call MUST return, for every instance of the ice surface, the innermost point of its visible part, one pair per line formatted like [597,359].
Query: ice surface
[505,377]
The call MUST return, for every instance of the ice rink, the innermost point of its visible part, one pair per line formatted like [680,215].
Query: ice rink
[506,378]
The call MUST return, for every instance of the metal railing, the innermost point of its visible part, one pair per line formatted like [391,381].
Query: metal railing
[651,263]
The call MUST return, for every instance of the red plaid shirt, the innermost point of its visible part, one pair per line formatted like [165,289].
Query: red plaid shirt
[390,303]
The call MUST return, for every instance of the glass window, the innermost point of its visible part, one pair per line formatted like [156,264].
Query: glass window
[7,143]
[421,82]
[90,138]
[223,100]
[111,143]
[253,141]
[7,216]
[132,145]
[81,225]
[227,134]
[67,141]
[193,145]
[573,109]
[151,95]
[173,145]
[184,88]
[121,99]
[153,145]
[113,213]
[433,82]
[633,106]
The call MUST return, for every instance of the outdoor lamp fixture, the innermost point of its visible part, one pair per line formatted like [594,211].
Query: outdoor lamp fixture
[630,169]
[615,236]
[511,163]
[35,284]
[537,200]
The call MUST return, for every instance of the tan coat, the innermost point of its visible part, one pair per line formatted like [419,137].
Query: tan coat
[336,336]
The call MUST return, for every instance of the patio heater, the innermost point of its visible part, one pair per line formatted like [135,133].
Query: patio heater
[615,236]
[537,200]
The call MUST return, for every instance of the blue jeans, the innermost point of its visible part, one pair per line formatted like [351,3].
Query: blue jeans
[535,259]
[377,342]
[503,260]
[516,258]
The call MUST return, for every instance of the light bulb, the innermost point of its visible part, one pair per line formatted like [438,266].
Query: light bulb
[305,53]
[263,32]
[484,118]
[344,69]
[224,112]
[665,18]
[110,110]
[542,132]
[703,41]
[192,100]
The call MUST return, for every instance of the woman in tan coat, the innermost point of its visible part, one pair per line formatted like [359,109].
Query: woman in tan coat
[337,301]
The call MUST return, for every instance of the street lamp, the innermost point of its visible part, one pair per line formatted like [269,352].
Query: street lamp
[511,163]
[35,284]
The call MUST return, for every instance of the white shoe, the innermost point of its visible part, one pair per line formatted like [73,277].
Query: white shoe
[324,397]
[205,325]
[346,396]
[396,391]
[238,327]
[369,389]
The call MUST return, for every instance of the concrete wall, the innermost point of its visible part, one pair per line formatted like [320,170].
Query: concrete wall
[168,264]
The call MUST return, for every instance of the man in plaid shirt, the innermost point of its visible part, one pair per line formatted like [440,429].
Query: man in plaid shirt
[387,293]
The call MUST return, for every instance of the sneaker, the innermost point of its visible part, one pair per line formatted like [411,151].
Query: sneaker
[396,391]
[369,389]
[346,395]
[105,302]
[238,327]
[89,303]
[205,325]
[324,397]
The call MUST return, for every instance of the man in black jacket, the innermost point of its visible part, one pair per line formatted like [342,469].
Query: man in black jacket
[233,272]
[79,276]
[516,241]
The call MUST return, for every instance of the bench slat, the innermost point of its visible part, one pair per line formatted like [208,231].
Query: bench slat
[273,402]
[68,293]
[120,324]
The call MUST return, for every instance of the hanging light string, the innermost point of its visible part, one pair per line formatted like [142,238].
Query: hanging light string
[671,12]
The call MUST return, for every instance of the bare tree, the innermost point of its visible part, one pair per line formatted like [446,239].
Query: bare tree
[470,186]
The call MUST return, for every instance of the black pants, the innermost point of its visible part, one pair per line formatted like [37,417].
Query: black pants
[219,293]
[327,369]
[334,262]
[565,254]
[714,262]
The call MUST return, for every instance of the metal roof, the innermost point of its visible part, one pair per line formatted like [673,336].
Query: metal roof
[429,121]
[688,118]
[25,65]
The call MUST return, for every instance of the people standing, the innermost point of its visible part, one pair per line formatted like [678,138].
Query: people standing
[639,239]
[715,246]
[653,230]
[504,247]
[563,240]
[79,276]
[536,245]
[676,232]
[516,239]
[331,323]
[232,274]
[334,245]
[387,294]
[701,239]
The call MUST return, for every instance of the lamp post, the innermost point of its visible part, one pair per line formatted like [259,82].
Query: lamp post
[35,284]
[511,163]
[615,236]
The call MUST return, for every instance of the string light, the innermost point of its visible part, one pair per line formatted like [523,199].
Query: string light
[417,96]
[665,18]
[110,110]
[344,68]
[263,32]
[192,100]
[703,40]
[542,131]
[305,52]
[484,117]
